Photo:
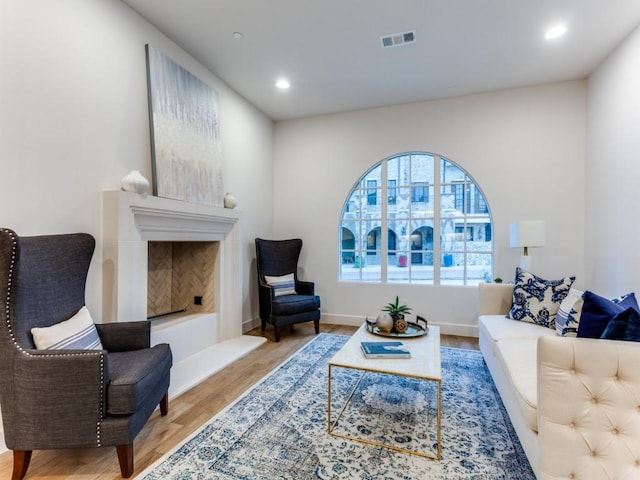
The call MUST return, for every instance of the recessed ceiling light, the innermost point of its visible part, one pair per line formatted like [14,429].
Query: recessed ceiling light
[555,32]
[282,84]
[238,35]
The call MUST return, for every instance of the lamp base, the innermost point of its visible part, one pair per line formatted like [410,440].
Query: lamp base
[525,262]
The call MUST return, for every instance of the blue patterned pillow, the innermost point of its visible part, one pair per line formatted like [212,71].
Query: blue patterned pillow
[283,285]
[598,311]
[77,333]
[536,300]
[568,316]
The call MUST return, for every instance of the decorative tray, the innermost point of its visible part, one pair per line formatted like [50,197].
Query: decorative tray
[413,329]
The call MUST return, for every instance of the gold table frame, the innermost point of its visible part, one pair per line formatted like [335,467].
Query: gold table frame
[424,364]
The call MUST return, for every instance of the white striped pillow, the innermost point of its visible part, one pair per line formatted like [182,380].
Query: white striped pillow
[284,285]
[568,315]
[77,333]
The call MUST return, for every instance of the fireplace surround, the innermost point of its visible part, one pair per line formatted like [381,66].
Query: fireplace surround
[202,342]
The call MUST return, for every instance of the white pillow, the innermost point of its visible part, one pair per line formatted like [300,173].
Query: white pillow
[284,285]
[77,333]
[566,324]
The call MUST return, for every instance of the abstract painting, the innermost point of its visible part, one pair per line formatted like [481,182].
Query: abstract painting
[185,133]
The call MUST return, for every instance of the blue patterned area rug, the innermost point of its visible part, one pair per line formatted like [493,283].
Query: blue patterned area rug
[278,430]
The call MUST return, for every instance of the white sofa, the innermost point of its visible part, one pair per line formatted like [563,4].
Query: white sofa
[574,402]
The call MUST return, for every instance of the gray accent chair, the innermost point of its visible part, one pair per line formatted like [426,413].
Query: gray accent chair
[277,258]
[57,399]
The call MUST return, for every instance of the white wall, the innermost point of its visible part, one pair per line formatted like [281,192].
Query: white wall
[524,147]
[74,121]
[613,172]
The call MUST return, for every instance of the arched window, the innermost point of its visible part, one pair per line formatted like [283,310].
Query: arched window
[406,212]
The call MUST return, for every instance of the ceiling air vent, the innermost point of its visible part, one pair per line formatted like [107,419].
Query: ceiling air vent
[398,39]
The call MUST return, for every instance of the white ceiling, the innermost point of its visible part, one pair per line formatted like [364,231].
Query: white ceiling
[331,52]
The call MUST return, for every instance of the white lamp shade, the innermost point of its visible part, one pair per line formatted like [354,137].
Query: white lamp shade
[526,234]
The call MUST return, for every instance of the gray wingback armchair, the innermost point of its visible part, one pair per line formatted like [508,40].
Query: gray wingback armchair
[56,399]
[276,258]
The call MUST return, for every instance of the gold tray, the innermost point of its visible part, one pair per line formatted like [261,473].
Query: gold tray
[413,329]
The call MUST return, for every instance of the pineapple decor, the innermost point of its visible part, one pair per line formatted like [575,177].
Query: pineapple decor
[397,313]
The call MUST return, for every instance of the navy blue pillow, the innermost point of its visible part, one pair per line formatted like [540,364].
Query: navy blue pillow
[598,311]
[624,326]
[633,329]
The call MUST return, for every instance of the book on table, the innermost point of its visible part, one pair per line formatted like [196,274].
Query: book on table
[384,350]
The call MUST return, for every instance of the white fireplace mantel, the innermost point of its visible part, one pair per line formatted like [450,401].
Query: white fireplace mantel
[162,224]
[131,220]
[199,343]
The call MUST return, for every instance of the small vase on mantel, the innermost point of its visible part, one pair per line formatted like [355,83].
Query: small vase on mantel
[135,182]
[229,200]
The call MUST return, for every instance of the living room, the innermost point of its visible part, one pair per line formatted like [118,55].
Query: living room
[75,121]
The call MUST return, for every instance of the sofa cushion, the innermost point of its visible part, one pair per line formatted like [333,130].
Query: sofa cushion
[498,327]
[536,300]
[598,311]
[568,316]
[518,357]
[77,333]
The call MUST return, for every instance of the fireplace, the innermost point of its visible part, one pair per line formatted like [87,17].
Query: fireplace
[181,278]
[208,334]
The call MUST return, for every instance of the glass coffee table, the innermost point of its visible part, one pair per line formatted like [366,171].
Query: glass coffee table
[423,366]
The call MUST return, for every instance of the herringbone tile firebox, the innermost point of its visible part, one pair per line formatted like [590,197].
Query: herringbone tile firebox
[181,277]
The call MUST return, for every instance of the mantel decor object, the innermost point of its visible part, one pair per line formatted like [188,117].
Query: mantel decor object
[186,150]
[135,182]
[230,200]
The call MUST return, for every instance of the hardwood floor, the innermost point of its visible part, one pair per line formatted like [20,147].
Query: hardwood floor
[186,412]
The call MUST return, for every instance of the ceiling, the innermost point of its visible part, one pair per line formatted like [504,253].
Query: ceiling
[331,53]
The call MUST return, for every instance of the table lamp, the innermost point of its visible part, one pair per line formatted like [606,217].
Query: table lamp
[524,235]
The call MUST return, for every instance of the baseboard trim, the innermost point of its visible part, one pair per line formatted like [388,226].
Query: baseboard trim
[250,324]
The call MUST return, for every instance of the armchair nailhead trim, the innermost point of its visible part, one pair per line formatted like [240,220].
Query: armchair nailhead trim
[14,245]
[9,283]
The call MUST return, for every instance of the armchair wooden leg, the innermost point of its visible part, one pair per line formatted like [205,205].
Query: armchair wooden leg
[277,333]
[164,404]
[125,457]
[263,325]
[21,459]
[316,324]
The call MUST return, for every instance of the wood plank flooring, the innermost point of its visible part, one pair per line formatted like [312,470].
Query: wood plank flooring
[186,412]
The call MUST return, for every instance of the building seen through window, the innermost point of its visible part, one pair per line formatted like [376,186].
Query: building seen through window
[416,218]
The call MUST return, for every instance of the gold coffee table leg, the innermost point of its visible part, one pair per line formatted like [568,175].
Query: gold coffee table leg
[331,425]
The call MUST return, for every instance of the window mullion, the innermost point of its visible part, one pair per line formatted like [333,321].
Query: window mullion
[437,184]
[384,223]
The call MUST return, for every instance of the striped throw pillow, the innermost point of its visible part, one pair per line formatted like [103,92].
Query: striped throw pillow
[284,285]
[568,315]
[77,333]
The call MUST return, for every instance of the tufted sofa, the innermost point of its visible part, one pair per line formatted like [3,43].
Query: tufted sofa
[574,402]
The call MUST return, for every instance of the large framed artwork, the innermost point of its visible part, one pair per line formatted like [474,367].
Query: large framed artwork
[185,133]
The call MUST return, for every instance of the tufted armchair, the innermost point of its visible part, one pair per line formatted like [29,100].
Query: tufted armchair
[55,399]
[276,259]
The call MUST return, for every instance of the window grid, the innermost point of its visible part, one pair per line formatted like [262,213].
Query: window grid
[410,235]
